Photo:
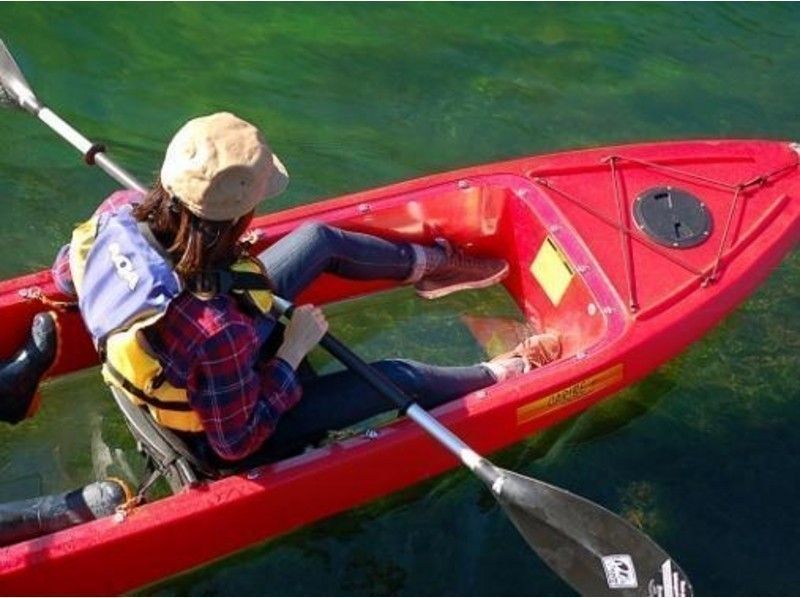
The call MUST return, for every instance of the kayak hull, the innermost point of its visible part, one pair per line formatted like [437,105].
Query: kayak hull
[623,302]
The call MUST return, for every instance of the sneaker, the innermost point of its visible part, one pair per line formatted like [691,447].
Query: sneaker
[460,271]
[20,375]
[534,352]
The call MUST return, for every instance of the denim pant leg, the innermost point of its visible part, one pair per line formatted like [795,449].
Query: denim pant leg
[336,401]
[294,261]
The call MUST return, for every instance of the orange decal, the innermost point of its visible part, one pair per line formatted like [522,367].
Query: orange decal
[591,385]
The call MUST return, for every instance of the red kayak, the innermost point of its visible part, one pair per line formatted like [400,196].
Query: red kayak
[630,252]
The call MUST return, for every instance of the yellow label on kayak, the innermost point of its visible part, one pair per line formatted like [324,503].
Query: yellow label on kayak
[593,384]
[552,271]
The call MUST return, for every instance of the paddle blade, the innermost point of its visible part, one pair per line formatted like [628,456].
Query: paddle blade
[14,89]
[595,551]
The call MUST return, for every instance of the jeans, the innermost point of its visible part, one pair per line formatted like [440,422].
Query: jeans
[297,259]
[335,401]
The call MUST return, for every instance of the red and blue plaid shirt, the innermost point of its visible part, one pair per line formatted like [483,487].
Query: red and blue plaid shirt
[211,348]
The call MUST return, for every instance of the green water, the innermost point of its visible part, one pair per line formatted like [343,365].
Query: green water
[703,454]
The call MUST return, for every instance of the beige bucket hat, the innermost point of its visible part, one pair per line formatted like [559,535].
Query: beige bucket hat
[220,167]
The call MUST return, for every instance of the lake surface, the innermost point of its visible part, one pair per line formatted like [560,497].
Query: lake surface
[704,454]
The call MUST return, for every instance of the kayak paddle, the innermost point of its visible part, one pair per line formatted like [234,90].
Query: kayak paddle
[589,547]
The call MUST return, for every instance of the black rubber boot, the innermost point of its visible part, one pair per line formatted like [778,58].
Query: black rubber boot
[20,375]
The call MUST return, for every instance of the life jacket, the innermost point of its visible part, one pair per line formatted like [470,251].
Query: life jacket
[125,283]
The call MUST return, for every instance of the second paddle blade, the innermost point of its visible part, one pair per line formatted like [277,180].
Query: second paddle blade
[595,551]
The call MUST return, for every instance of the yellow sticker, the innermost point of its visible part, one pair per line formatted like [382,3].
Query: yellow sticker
[552,271]
[593,384]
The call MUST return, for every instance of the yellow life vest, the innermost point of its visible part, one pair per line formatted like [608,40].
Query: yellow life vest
[128,362]
[130,366]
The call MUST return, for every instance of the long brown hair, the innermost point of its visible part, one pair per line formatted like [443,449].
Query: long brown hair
[195,245]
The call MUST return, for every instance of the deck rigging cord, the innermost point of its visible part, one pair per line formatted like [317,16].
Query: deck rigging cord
[706,276]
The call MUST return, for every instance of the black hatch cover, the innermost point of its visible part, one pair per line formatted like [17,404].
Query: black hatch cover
[672,217]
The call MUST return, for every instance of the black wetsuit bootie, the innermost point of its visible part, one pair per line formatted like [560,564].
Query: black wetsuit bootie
[20,375]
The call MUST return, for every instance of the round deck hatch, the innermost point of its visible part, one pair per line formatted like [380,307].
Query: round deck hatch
[672,217]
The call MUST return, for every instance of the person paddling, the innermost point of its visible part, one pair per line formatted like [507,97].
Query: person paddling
[155,277]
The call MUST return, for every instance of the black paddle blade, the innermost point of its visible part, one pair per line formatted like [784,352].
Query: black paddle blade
[595,551]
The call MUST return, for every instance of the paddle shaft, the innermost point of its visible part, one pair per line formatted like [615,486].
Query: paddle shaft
[93,153]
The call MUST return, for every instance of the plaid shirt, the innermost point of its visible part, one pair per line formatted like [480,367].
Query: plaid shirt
[211,348]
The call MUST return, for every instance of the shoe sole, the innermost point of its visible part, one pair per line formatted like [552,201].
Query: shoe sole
[473,284]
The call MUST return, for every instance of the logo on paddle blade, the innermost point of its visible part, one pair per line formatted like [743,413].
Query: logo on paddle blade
[671,582]
[620,572]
